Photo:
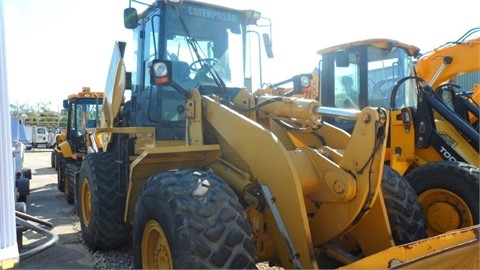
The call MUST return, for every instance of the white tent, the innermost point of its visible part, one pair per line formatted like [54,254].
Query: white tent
[9,255]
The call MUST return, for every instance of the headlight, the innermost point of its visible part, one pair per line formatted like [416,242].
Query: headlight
[305,81]
[160,72]
[160,69]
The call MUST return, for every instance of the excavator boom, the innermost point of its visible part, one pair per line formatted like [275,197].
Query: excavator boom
[450,60]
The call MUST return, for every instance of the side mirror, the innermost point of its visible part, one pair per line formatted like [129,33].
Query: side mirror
[268,45]
[65,104]
[130,18]
[341,58]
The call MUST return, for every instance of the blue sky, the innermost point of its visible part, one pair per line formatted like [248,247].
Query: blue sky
[55,47]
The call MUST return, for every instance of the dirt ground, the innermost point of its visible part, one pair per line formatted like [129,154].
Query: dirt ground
[48,204]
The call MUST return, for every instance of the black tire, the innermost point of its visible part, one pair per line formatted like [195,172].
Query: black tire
[61,165]
[22,198]
[27,173]
[52,159]
[405,212]
[100,203]
[209,230]
[449,192]
[70,179]
[55,156]
[19,239]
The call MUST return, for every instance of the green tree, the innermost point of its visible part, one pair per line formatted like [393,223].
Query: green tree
[39,114]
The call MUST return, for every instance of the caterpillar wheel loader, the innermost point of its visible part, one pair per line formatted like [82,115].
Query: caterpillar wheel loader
[198,172]
[83,110]
[431,145]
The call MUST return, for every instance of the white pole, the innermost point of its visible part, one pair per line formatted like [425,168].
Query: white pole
[9,255]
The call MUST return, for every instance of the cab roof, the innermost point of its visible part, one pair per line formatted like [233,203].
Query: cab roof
[383,43]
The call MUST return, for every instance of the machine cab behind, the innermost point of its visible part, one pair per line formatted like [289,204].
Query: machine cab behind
[362,73]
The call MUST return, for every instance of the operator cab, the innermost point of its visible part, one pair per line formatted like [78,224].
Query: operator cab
[206,46]
[363,73]
[83,113]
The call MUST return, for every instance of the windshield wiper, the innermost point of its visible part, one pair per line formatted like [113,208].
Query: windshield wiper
[193,43]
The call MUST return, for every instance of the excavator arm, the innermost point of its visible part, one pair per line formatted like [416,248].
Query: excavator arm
[450,60]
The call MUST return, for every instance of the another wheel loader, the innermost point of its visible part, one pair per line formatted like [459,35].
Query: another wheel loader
[67,156]
[204,174]
[431,145]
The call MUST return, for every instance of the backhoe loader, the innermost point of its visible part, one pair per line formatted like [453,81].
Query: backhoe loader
[431,145]
[83,109]
[200,173]
[442,66]
[450,60]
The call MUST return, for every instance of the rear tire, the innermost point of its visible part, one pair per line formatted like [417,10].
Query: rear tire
[204,230]
[404,209]
[70,179]
[52,159]
[100,203]
[449,192]
[61,165]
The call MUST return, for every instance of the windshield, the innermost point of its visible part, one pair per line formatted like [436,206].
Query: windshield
[87,113]
[203,42]
[385,69]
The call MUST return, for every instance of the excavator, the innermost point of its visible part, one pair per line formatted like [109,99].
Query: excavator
[201,172]
[436,149]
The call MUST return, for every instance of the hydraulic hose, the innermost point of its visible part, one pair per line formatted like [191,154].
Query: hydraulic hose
[21,219]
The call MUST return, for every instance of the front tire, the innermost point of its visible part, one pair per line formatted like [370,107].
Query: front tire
[449,193]
[100,203]
[404,209]
[190,219]
[27,173]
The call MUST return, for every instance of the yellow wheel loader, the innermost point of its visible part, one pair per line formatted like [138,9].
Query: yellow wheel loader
[83,110]
[429,143]
[198,172]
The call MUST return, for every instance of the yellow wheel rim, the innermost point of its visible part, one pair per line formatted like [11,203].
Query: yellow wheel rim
[156,253]
[85,202]
[444,211]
